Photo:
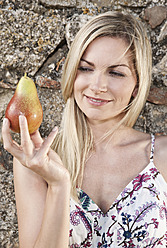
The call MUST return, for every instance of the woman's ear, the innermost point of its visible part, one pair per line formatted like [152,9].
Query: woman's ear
[135,91]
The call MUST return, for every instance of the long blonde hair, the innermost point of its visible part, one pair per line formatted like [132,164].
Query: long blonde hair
[75,139]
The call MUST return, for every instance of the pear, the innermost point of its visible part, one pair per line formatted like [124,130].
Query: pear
[25,102]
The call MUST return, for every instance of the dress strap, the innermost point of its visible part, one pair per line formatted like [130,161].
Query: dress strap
[152,147]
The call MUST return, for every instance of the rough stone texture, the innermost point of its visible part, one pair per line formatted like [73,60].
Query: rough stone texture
[52,104]
[74,24]
[59,3]
[153,119]
[17,4]
[23,45]
[47,83]
[160,70]
[35,36]
[53,65]
[8,219]
[5,95]
[158,95]
[156,15]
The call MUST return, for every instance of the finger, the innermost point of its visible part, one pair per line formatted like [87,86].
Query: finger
[36,139]
[10,145]
[48,142]
[26,142]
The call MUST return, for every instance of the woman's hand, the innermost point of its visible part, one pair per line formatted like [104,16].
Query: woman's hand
[36,154]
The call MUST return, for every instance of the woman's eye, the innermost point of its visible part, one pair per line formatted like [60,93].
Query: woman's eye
[84,69]
[116,74]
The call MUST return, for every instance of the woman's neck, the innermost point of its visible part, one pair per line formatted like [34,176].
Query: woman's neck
[105,131]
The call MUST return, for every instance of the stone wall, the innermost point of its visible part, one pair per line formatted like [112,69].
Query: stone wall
[35,36]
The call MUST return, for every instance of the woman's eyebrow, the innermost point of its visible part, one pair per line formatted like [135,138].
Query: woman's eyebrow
[110,67]
[113,66]
[88,62]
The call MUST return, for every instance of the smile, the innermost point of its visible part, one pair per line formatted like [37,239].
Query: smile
[97,101]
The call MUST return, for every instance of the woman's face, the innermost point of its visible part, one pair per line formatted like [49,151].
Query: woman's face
[105,80]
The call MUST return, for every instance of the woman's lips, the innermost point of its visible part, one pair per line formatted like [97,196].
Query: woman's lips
[97,101]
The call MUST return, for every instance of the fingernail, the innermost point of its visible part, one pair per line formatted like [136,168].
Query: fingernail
[21,118]
[55,129]
[5,121]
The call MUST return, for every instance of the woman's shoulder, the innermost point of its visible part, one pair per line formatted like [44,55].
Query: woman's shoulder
[159,150]
[161,147]
[160,155]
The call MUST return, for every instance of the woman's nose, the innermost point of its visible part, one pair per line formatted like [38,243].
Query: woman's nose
[98,83]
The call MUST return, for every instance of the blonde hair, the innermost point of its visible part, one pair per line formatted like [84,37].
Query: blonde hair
[75,139]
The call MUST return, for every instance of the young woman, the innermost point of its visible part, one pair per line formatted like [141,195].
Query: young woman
[94,183]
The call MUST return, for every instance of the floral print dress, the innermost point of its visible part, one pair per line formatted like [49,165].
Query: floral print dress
[137,218]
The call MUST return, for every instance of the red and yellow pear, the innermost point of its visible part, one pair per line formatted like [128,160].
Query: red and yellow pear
[25,102]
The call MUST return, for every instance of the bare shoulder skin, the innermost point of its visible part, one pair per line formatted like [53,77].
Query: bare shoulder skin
[160,155]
